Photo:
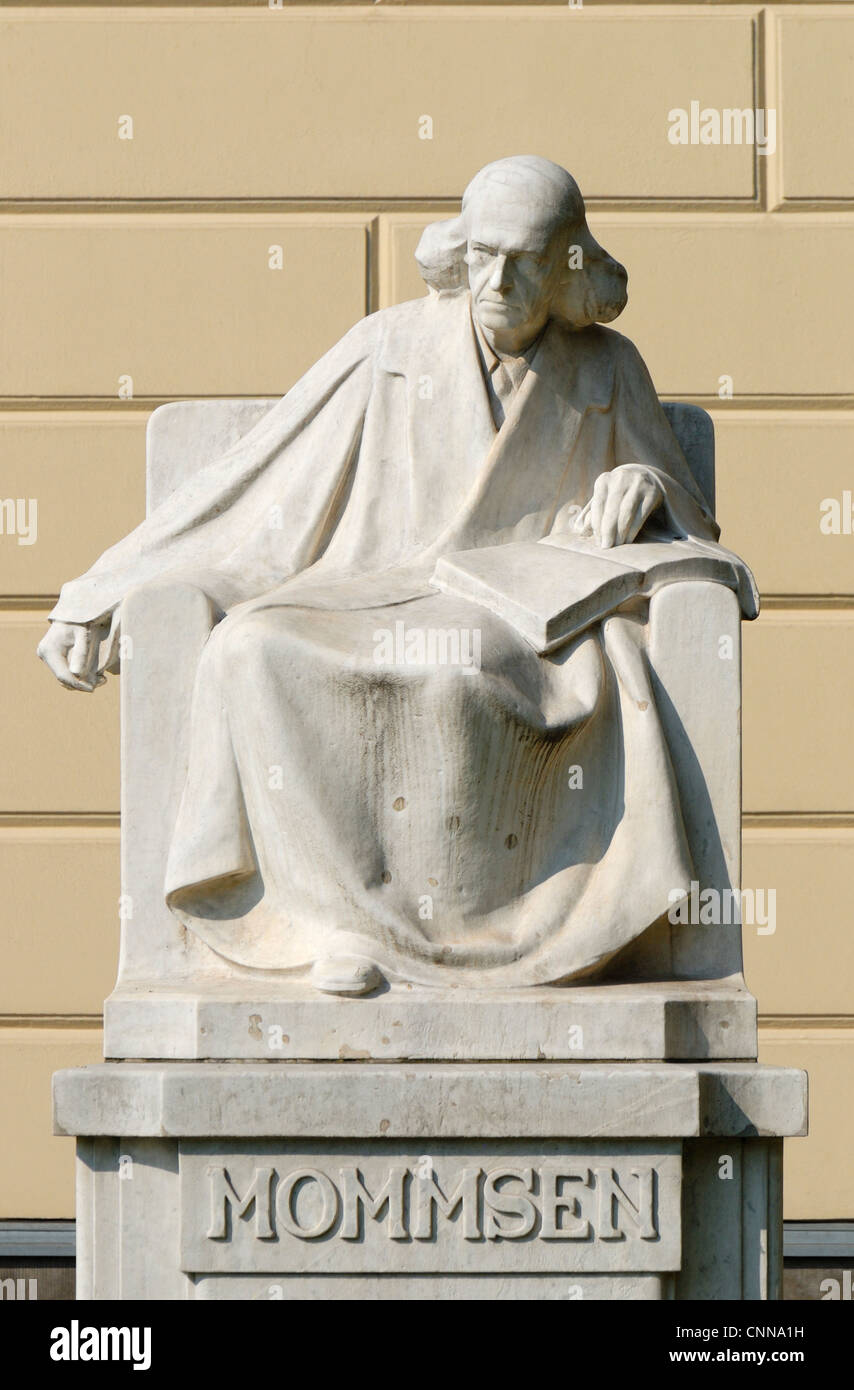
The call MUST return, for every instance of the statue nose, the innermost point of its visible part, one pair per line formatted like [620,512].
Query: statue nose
[498,280]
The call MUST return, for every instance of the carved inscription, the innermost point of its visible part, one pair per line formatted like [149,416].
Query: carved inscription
[496,1203]
[248,1210]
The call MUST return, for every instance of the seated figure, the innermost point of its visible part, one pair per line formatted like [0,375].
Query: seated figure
[356,806]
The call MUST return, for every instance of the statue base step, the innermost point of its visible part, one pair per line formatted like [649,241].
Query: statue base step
[288,1020]
[356,1180]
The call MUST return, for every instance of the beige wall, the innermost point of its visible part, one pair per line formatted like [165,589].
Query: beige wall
[299,127]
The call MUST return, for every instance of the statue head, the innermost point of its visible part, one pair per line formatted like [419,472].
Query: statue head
[522,246]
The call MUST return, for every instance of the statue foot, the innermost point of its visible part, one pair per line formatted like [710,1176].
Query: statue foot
[346,975]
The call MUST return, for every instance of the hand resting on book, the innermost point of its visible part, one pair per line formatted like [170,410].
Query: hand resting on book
[622,502]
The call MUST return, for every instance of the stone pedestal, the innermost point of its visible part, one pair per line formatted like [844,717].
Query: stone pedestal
[429,1180]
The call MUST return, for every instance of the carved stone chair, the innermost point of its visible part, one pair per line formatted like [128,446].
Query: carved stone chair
[176,998]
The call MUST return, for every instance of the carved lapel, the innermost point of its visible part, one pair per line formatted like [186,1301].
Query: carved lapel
[469,481]
[527,469]
[449,422]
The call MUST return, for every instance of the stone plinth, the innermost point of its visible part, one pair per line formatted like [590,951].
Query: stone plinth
[246,1020]
[355,1180]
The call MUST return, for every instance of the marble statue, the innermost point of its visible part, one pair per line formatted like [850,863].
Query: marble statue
[430,699]
[388,781]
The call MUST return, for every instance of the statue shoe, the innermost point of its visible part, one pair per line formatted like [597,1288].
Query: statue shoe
[346,975]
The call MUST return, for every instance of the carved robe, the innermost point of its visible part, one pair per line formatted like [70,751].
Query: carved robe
[456,819]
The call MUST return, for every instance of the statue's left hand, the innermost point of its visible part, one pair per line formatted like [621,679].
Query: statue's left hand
[622,502]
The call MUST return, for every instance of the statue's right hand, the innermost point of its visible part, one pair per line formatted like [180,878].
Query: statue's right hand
[70,651]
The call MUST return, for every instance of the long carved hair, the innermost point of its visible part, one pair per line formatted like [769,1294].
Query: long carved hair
[595,292]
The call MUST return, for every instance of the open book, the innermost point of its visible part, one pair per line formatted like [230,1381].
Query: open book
[551,590]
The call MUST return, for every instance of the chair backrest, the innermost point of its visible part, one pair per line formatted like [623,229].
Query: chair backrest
[185,435]
[695,435]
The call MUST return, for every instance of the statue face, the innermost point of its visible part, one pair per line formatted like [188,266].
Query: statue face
[516,257]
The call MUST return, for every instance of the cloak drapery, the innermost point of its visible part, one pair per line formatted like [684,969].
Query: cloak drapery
[426,813]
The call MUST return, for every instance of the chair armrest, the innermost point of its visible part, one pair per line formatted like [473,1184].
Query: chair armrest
[164,628]
[695,662]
